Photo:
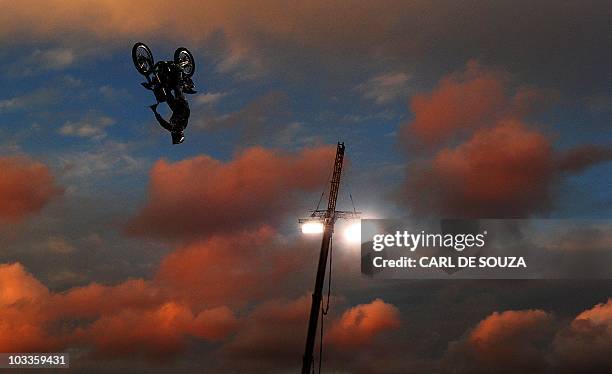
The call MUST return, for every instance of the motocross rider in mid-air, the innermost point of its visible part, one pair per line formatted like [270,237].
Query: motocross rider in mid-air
[169,81]
[176,101]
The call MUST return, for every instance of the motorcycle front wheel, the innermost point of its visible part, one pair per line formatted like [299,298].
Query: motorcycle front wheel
[184,59]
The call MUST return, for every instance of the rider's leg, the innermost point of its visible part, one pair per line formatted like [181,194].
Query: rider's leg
[165,124]
[148,84]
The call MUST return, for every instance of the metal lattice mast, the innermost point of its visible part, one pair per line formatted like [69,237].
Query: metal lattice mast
[329,220]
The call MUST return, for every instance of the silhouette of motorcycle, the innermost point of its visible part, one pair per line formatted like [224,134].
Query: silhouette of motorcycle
[164,76]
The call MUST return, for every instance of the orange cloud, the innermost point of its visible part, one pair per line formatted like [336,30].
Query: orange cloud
[157,333]
[360,325]
[462,101]
[214,324]
[130,318]
[192,291]
[530,341]
[466,101]
[506,342]
[190,296]
[484,159]
[201,196]
[23,312]
[155,319]
[94,300]
[501,169]
[224,269]
[504,171]
[232,269]
[26,186]
[599,314]
[503,332]
[272,336]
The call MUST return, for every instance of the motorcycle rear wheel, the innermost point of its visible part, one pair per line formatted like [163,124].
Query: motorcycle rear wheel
[142,58]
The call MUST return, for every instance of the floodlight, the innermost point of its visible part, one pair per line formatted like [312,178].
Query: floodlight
[312,227]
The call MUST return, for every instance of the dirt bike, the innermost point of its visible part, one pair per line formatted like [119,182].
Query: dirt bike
[165,76]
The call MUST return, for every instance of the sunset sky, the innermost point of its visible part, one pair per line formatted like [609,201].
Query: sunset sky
[137,255]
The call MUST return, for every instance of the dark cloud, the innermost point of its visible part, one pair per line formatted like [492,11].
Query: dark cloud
[263,115]
[271,337]
[582,157]
[585,345]
[32,100]
[553,44]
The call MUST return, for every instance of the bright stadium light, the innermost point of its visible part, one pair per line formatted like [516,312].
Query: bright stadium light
[352,233]
[312,227]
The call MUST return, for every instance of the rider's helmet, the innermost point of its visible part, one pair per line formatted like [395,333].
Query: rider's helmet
[177,137]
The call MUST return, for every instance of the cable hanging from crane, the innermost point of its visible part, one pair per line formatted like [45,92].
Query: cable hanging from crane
[325,310]
[328,180]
